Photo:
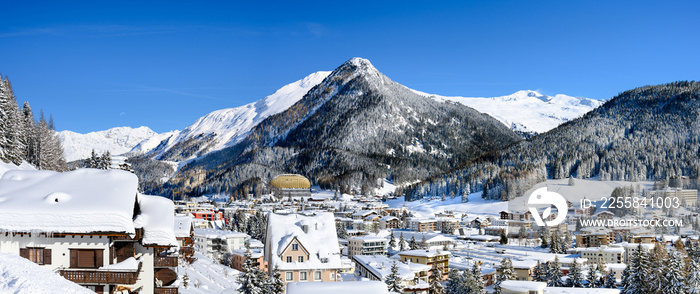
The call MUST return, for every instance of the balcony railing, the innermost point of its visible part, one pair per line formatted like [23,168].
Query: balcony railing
[165,261]
[101,276]
[137,236]
[162,290]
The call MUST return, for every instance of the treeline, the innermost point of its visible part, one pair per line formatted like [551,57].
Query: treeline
[22,138]
[648,133]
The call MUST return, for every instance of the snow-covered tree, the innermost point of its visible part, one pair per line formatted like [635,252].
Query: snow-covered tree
[392,242]
[412,244]
[635,275]
[610,281]
[673,278]
[693,278]
[455,283]
[436,281]
[274,283]
[252,279]
[540,272]
[554,275]
[393,280]
[504,272]
[478,287]
[575,277]
[423,243]
[402,243]
[591,276]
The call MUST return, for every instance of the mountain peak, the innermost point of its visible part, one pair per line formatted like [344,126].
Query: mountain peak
[357,64]
[530,93]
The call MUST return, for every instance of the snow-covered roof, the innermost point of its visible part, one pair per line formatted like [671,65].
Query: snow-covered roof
[19,275]
[182,225]
[380,266]
[368,238]
[424,253]
[315,233]
[364,287]
[567,290]
[524,264]
[523,286]
[129,264]
[156,219]
[79,201]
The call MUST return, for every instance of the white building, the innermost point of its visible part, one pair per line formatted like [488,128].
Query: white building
[304,247]
[91,227]
[414,276]
[217,244]
[603,254]
[367,245]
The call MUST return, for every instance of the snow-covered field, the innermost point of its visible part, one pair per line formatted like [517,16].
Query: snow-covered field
[115,140]
[476,205]
[21,276]
[5,167]
[206,276]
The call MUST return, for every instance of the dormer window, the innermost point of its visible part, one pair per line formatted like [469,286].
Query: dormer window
[295,247]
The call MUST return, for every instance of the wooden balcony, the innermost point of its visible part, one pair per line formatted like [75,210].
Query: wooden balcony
[101,276]
[138,236]
[164,290]
[165,261]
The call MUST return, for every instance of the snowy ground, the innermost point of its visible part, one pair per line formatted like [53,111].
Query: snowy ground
[206,276]
[19,275]
[476,205]
[5,167]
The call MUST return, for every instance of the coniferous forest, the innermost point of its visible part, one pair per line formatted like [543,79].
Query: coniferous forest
[23,138]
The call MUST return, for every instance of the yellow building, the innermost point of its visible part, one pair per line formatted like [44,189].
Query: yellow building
[290,185]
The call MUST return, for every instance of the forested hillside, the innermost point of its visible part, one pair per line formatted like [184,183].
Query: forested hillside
[650,132]
[350,132]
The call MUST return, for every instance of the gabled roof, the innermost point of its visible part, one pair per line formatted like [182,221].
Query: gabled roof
[316,233]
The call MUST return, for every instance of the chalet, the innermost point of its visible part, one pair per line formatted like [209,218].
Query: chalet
[92,227]
[389,222]
[184,233]
[305,248]
[238,257]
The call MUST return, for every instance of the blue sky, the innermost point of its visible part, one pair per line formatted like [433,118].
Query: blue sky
[95,65]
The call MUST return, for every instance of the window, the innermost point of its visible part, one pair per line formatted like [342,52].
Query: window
[289,259]
[86,258]
[289,276]
[295,247]
[302,276]
[301,259]
[37,255]
[317,275]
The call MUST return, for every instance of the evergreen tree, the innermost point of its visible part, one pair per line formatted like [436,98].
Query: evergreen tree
[29,132]
[423,243]
[392,241]
[673,278]
[554,275]
[478,287]
[610,281]
[11,130]
[591,276]
[105,160]
[504,272]
[402,243]
[393,280]
[575,277]
[504,238]
[693,278]
[540,274]
[274,283]
[455,283]
[436,281]
[412,244]
[635,275]
[251,279]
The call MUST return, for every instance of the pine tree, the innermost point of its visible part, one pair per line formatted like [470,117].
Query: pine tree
[436,281]
[402,243]
[693,278]
[478,280]
[575,277]
[393,280]
[673,278]
[251,279]
[554,275]
[106,160]
[635,275]
[274,283]
[11,130]
[610,281]
[591,276]
[412,244]
[455,283]
[504,238]
[392,242]
[424,243]
[540,274]
[504,272]
[29,132]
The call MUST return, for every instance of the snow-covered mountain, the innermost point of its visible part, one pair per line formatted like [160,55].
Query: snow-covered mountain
[527,110]
[117,140]
[226,127]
